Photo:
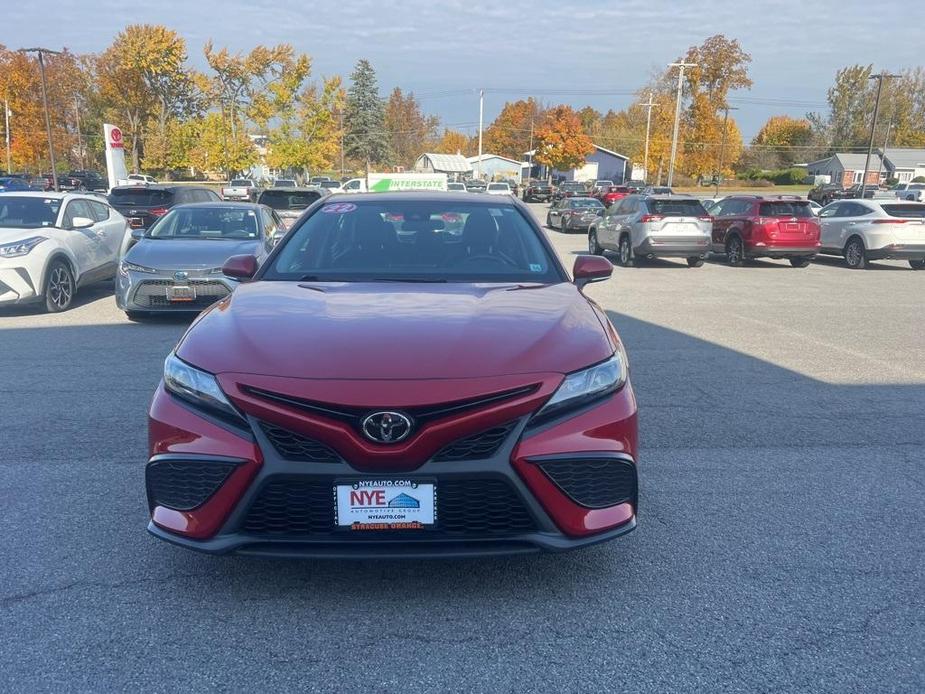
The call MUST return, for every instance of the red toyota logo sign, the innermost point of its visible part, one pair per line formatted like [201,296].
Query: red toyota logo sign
[115,137]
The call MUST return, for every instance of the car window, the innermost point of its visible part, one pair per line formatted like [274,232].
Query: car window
[205,223]
[241,183]
[676,208]
[288,199]
[631,206]
[785,208]
[28,212]
[74,209]
[585,202]
[423,240]
[99,210]
[143,197]
[854,209]
[829,211]
[269,225]
[907,211]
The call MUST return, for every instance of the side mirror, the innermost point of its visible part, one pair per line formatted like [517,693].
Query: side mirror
[82,223]
[591,268]
[138,234]
[241,267]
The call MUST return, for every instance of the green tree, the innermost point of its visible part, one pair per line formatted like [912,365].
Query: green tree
[365,138]
[308,136]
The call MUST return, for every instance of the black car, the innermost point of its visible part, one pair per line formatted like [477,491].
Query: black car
[568,189]
[143,205]
[90,180]
[854,192]
[826,193]
[538,191]
[290,201]
[657,190]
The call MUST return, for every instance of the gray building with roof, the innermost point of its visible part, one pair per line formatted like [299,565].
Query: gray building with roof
[847,169]
[451,164]
[904,164]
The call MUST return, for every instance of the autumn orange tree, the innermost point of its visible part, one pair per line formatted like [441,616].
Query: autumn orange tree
[509,134]
[561,142]
[410,130]
[452,142]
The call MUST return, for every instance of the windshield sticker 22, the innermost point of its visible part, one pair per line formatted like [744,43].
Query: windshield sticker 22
[339,208]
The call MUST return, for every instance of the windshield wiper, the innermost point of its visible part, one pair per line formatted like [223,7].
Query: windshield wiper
[434,280]
[320,278]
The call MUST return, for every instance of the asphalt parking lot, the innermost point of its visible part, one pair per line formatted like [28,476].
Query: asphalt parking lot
[780,545]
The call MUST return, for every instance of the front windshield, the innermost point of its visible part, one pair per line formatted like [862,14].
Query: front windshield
[415,240]
[28,212]
[288,199]
[206,223]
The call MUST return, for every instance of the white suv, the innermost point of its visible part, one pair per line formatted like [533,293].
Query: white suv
[51,244]
[863,230]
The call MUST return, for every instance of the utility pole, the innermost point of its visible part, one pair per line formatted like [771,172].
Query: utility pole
[6,114]
[645,160]
[677,117]
[481,114]
[722,147]
[80,144]
[340,116]
[873,126]
[51,149]
[886,142]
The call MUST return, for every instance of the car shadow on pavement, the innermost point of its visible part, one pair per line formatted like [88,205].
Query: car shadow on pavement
[837,261]
[85,295]
[779,538]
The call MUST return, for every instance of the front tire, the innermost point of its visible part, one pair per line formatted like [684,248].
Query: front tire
[59,287]
[799,262]
[626,251]
[593,246]
[917,264]
[695,262]
[136,316]
[855,254]
[735,252]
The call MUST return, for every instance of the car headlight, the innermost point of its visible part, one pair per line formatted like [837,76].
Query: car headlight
[586,385]
[125,267]
[197,387]
[19,248]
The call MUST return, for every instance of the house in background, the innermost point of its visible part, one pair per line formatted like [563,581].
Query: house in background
[600,164]
[904,164]
[846,169]
[495,167]
[454,165]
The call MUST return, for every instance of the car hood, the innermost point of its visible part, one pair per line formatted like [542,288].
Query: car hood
[10,234]
[188,255]
[397,331]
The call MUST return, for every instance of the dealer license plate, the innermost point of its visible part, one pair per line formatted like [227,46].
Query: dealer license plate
[181,293]
[385,505]
[134,222]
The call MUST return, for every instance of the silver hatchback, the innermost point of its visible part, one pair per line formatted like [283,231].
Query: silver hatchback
[176,266]
[654,226]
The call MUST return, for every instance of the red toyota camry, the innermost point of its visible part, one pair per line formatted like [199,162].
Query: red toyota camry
[407,374]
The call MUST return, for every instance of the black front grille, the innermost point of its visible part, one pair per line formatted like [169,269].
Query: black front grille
[594,483]
[295,506]
[296,447]
[184,485]
[481,445]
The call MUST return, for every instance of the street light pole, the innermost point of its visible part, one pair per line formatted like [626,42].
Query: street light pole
[677,117]
[481,114]
[722,147]
[80,145]
[9,158]
[51,149]
[645,159]
[873,126]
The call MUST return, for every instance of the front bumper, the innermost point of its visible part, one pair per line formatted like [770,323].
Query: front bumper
[500,504]
[149,292]
[18,284]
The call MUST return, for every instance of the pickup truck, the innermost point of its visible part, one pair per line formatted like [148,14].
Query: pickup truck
[240,190]
[910,191]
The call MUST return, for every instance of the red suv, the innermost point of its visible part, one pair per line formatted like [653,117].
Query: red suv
[612,194]
[363,393]
[753,226]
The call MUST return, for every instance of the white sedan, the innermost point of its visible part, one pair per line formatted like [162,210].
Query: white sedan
[51,244]
[863,230]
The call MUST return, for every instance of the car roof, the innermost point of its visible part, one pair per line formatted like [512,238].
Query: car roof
[60,195]
[218,204]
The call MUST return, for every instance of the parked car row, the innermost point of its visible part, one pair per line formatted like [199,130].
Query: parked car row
[745,227]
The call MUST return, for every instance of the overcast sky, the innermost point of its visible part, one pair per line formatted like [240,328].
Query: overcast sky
[442,48]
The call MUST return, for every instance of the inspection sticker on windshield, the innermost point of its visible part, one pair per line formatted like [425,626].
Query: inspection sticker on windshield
[385,504]
[339,208]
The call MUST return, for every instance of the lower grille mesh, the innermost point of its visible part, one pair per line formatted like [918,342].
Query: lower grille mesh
[184,485]
[593,483]
[482,445]
[293,506]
